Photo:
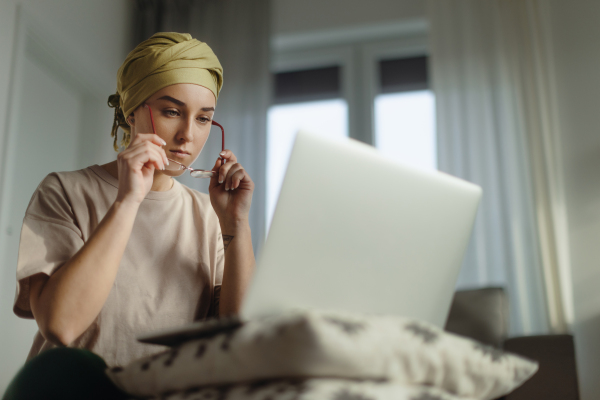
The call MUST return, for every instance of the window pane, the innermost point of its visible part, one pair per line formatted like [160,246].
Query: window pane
[405,127]
[307,85]
[404,74]
[328,118]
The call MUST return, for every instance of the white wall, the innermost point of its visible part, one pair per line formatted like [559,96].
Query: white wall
[576,35]
[98,31]
[82,42]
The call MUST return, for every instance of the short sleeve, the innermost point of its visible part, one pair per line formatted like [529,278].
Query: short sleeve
[49,238]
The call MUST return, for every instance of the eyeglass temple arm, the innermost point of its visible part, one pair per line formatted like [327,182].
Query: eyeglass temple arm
[151,118]
[222,137]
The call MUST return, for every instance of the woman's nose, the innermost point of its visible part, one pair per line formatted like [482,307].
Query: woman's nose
[186,131]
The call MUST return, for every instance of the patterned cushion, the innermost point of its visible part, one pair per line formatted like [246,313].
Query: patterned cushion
[311,389]
[314,344]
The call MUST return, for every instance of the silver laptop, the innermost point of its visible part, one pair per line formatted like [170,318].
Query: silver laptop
[355,231]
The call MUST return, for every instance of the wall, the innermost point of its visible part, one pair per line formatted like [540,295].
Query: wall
[292,16]
[96,30]
[91,38]
[576,35]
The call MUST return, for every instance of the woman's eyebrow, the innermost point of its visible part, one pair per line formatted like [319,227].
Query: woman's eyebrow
[182,104]
[173,100]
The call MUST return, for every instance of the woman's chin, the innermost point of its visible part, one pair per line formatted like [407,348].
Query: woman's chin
[172,173]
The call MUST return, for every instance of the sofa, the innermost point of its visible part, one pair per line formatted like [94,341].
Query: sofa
[483,315]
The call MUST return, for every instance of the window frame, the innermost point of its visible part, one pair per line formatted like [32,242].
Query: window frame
[357,51]
[372,54]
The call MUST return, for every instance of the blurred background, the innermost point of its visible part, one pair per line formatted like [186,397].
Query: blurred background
[502,93]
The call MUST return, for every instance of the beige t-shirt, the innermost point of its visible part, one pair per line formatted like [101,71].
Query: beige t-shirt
[172,262]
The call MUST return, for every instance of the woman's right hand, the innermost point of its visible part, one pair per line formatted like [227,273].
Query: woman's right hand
[137,164]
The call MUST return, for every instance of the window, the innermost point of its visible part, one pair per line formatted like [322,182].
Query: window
[308,100]
[371,86]
[405,113]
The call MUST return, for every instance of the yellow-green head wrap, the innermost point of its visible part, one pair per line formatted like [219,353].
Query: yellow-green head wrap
[167,58]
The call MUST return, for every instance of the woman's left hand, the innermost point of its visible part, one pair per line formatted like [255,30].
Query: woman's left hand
[230,190]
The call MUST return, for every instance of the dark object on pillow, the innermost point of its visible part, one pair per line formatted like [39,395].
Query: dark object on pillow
[201,329]
[480,314]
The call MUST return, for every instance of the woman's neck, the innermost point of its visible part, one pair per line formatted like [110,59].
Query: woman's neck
[161,182]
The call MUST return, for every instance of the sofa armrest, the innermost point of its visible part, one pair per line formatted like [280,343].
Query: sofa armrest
[557,376]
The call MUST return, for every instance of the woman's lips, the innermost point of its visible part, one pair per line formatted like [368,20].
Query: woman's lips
[179,154]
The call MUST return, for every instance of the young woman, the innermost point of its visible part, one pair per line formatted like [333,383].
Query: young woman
[113,251]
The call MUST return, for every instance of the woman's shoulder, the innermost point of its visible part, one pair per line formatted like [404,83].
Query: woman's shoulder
[69,186]
[68,179]
[55,193]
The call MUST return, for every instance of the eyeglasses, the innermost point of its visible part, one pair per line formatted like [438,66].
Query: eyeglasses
[195,173]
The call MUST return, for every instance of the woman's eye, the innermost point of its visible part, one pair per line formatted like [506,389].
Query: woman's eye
[203,119]
[171,113]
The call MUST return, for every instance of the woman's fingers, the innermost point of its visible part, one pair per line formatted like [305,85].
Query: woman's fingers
[144,153]
[141,159]
[237,177]
[230,160]
[230,173]
[228,156]
[223,171]
[214,179]
[229,183]
[150,139]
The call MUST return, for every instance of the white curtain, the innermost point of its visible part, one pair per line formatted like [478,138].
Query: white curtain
[238,32]
[491,73]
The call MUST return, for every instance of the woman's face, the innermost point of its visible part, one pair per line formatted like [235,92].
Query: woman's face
[182,117]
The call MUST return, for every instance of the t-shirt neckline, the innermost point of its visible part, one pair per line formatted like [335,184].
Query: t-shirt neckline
[152,195]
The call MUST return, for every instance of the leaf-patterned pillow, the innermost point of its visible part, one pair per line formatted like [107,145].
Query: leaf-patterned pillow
[324,344]
[311,389]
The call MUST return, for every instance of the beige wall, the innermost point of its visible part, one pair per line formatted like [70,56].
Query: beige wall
[576,34]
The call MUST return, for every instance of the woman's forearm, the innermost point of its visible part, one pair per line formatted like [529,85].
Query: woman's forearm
[239,266]
[71,299]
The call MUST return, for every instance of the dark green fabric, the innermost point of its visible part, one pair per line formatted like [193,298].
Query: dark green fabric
[65,374]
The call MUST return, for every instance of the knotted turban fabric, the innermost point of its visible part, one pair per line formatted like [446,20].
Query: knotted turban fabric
[167,58]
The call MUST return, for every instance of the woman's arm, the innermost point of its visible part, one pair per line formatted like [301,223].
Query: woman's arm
[66,303]
[239,266]
[231,192]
